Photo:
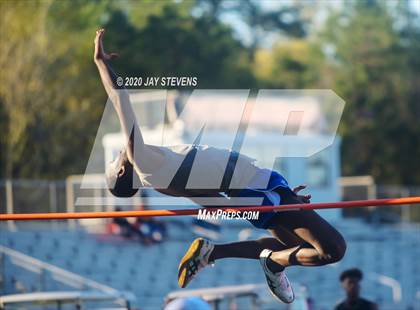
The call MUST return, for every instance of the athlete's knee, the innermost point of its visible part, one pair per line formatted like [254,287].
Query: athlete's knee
[334,250]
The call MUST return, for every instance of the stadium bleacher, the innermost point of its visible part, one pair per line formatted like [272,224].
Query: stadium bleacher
[149,272]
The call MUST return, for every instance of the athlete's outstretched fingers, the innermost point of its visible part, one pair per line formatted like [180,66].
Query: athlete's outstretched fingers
[297,189]
[306,198]
[302,198]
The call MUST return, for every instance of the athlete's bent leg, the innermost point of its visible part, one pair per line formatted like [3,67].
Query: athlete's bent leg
[251,249]
[318,244]
[322,245]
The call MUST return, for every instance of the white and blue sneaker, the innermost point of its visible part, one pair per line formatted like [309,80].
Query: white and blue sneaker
[195,259]
[278,283]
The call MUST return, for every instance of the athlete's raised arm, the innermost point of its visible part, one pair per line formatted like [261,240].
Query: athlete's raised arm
[121,102]
[118,95]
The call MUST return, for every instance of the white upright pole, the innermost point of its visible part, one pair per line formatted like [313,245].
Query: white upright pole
[9,204]
[70,200]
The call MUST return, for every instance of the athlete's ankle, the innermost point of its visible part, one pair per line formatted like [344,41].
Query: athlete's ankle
[273,266]
[212,256]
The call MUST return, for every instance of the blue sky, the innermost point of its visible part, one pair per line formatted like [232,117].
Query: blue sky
[320,9]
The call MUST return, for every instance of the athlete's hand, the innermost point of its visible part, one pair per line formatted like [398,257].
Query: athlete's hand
[302,198]
[99,53]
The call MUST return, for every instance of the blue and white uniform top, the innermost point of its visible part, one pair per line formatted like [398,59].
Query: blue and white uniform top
[206,169]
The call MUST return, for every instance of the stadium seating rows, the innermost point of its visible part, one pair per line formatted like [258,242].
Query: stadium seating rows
[150,271]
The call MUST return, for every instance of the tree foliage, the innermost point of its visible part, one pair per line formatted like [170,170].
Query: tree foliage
[376,73]
[51,98]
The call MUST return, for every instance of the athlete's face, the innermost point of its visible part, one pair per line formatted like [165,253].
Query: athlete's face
[352,286]
[120,176]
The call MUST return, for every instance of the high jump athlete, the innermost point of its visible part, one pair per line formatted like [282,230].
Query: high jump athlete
[299,237]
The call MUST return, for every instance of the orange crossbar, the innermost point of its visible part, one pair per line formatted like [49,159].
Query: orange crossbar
[180,212]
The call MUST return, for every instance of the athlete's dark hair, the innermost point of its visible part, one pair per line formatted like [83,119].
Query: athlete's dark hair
[122,185]
[351,273]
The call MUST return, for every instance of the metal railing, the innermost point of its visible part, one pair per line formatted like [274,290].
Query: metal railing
[61,275]
[40,196]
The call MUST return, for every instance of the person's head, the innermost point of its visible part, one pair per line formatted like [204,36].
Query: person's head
[120,176]
[187,303]
[350,281]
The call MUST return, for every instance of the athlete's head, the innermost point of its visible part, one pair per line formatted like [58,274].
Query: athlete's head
[350,280]
[120,176]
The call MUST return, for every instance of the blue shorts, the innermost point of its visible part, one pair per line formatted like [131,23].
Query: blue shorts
[270,198]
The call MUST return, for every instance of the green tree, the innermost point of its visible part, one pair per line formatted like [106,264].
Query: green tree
[375,72]
[48,92]
[292,64]
[285,19]
[22,58]
[173,44]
